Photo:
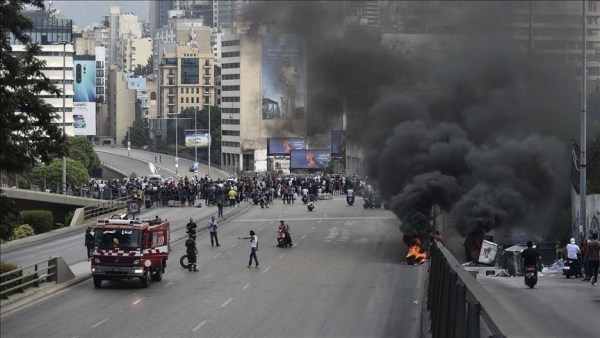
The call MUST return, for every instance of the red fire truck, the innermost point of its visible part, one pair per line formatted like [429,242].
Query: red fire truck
[126,249]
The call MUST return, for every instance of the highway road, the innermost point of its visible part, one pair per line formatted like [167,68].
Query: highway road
[346,277]
[71,246]
[556,307]
[163,161]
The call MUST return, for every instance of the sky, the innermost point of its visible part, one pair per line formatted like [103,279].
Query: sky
[84,13]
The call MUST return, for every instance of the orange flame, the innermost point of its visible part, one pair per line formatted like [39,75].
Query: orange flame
[414,250]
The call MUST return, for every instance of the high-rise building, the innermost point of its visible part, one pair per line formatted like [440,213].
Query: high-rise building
[133,51]
[119,24]
[54,36]
[159,10]
[226,12]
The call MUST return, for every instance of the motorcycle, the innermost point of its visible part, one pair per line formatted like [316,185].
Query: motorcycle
[263,202]
[569,268]
[350,200]
[283,241]
[304,199]
[372,203]
[530,276]
[310,205]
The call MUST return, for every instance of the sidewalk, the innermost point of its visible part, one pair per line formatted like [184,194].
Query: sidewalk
[82,272]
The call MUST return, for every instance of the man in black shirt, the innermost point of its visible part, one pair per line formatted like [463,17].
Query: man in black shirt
[191,228]
[530,256]
[192,252]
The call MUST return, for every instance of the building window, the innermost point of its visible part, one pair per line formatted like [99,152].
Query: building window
[231,132]
[182,100]
[99,90]
[231,54]
[230,121]
[230,110]
[197,90]
[187,100]
[230,43]
[231,76]
[197,99]
[207,82]
[181,90]
[187,90]
[207,62]
[230,144]
[231,65]
[190,71]
[231,99]
[231,88]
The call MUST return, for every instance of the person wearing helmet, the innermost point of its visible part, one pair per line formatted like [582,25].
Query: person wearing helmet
[89,241]
[572,252]
[530,256]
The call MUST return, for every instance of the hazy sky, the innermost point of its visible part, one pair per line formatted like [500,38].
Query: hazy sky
[84,13]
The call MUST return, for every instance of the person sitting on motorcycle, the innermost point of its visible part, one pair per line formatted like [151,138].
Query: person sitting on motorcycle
[349,193]
[572,252]
[285,229]
[531,256]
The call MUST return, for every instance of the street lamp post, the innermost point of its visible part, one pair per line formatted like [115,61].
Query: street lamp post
[582,158]
[195,135]
[176,146]
[209,133]
[64,125]
[129,130]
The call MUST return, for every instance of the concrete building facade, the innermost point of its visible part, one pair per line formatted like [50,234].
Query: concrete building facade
[133,51]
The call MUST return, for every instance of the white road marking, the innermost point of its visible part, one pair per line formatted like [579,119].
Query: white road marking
[99,323]
[261,229]
[315,219]
[279,215]
[267,269]
[233,246]
[199,326]
[281,256]
[303,237]
[217,255]
[245,286]
[272,222]
[313,228]
[319,221]
[325,215]
[169,283]
[137,301]
[227,302]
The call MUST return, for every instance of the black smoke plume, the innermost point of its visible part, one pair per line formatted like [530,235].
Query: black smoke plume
[481,131]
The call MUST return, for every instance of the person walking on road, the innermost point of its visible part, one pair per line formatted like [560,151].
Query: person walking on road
[220,206]
[192,252]
[592,255]
[212,228]
[253,247]
[89,241]
[191,228]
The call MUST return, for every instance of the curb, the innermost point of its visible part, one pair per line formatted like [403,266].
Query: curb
[41,237]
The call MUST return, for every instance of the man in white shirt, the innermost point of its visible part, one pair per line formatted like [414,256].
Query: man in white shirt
[572,251]
[253,247]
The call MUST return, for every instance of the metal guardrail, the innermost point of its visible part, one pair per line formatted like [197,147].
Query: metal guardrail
[51,270]
[104,208]
[457,301]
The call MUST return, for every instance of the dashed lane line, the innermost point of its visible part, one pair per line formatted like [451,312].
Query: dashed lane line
[319,221]
[199,326]
[234,245]
[217,255]
[99,323]
[303,237]
[169,283]
[137,301]
[227,302]
[245,286]
[280,257]
[267,269]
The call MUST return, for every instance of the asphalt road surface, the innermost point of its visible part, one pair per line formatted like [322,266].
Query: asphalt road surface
[556,307]
[163,160]
[71,246]
[346,277]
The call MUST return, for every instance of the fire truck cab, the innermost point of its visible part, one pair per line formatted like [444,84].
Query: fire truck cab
[126,249]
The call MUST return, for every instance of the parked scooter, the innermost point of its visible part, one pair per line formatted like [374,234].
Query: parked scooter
[530,276]
[263,201]
[350,200]
[569,268]
[310,205]
[304,199]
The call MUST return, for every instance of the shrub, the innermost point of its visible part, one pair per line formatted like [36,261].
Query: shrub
[22,231]
[6,267]
[40,220]
[69,217]
[133,175]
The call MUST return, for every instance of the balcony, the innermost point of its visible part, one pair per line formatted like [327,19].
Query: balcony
[171,74]
[171,93]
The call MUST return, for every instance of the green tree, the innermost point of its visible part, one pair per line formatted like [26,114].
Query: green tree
[76,172]
[143,70]
[140,134]
[82,151]
[29,131]
[200,118]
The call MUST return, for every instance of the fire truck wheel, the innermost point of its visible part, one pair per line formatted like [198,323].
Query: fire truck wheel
[158,273]
[97,282]
[147,279]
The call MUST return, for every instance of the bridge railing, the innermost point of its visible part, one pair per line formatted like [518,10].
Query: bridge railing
[456,302]
[106,207]
[50,270]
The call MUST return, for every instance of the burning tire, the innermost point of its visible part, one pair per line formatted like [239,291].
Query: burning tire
[415,253]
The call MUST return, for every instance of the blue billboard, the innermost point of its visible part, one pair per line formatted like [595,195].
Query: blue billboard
[309,159]
[284,145]
[338,142]
[84,95]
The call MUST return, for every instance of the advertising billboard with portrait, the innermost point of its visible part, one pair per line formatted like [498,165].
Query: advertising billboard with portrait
[283,77]
[309,159]
[84,95]
[201,136]
[284,145]
[338,142]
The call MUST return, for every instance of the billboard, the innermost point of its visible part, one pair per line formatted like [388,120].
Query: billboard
[201,136]
[284,145]
[283,77]
[309,159]
[84,95]
[338,142]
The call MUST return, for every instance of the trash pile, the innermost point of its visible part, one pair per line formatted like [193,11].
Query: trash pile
[557,266]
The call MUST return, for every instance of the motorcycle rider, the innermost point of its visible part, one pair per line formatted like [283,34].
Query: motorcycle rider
[285,229]
[349,193]
[531,256]
[572,252]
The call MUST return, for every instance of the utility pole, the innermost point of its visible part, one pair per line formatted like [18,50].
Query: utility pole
[196,135]
[583,160]
[64,125]
[209,133]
